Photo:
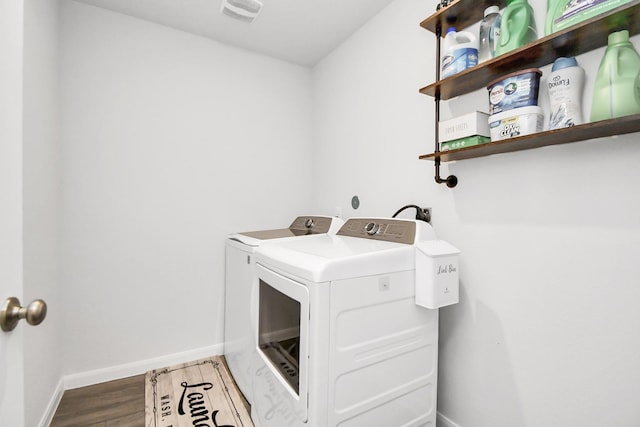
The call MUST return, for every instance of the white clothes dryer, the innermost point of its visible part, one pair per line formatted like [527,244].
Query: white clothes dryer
[340,340]
[239,277]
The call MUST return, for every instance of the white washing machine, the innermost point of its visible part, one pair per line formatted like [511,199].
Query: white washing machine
[239,277]
[340,340]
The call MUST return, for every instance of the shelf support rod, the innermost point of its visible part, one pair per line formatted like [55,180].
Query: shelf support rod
[451,180]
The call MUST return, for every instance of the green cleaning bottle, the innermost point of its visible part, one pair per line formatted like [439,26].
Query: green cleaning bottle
[563,14]
[517,27]
[617,86]
[552,6]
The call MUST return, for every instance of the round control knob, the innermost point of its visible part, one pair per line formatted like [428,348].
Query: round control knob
[371,228]
[309,223]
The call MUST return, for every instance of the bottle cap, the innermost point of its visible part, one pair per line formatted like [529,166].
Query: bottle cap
[491,9]
[563,62]
[619,37]
[451,30]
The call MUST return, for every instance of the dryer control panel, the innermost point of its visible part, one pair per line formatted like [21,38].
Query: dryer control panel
[386,229]
[311,225]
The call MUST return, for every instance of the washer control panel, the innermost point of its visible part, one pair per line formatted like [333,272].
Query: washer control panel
[310,225]
[386,229]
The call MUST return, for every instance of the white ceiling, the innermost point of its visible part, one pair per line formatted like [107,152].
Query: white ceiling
[298,31]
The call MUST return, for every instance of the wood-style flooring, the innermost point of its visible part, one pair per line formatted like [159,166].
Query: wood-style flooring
[115,403]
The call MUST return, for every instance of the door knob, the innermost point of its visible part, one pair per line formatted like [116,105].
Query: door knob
[11,313]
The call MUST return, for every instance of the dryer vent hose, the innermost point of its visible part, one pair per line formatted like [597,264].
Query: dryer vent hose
[421,214]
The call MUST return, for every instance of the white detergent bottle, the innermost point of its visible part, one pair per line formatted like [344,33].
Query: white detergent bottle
[489,33]
[460,51]
[565,85]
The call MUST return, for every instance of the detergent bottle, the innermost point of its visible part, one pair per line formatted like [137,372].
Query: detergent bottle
[489,33]
[562,14]
[617,86]
[517,26]
[552,6]
[565,85]
[460,51]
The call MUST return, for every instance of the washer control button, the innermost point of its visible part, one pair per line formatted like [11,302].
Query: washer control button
[371,228]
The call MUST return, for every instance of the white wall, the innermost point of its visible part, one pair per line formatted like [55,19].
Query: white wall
[170,142]
[547,329]
[370,122]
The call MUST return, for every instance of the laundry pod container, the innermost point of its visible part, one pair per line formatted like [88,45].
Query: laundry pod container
[518,122]
[516,90]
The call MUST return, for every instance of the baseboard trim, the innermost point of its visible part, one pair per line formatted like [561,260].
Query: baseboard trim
[97,376]
[442,421]
[47,417]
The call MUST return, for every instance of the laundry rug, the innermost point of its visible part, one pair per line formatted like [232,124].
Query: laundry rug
[200,393]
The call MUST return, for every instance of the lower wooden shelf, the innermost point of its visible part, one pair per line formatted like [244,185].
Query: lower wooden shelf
[611,127]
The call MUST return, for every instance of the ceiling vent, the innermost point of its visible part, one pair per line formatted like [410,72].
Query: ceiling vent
[243,10]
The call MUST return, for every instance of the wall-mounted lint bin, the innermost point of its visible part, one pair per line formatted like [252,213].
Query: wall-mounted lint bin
[436,274]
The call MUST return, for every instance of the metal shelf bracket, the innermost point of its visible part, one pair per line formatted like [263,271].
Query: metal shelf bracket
[451,180]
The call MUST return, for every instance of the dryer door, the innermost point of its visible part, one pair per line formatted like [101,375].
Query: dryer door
[283,336]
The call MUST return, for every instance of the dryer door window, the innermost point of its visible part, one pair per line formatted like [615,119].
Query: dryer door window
[283,334]
[279,333]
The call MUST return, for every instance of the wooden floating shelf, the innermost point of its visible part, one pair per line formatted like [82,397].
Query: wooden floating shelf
[583,37]
[604,128]
[459,16]
[578,39]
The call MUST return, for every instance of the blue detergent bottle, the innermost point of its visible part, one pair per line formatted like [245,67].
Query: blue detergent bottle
[460,52]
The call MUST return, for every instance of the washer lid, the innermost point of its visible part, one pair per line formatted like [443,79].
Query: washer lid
[301,226]
[253,238]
